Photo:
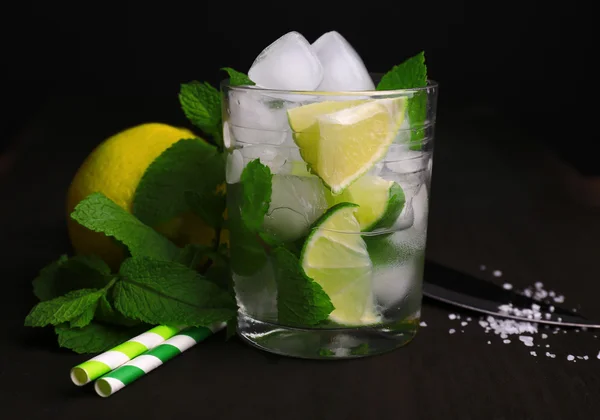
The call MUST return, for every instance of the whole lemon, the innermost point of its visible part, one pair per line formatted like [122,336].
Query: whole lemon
[115,168]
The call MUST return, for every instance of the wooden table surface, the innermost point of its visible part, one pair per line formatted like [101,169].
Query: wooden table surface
[494,202]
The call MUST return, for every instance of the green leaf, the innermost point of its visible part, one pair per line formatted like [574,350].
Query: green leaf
[95,337]
[201,104]
[162,292]
[192,254]
[188,165]
[256,190]
[106,313]
[98,213]
[237,78]
[65,308]
[248,255]
[410,74]
[208,205]
[68,274]
[300,300]
[219,271]
[86,317]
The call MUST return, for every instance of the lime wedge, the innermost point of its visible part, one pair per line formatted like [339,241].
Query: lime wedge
[336,257]
[345,143]
[305,127]
[381,201]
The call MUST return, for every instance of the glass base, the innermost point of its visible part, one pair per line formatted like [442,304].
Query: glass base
[315,343]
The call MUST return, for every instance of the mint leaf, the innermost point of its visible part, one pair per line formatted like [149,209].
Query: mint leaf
[219,271]
[68,274]
[106,313]
[256,190]
[201,104]
[300,300]
[98,213]
[412,73]
[238,79]
[192,254]
[208,205]
[188,165]
[85,317]
[247,253]
[94,338]
[162,292]
[65,308]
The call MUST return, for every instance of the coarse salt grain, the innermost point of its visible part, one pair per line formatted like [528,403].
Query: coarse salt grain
[464,323]
[497,273]
[550,355]
[585,357]
[469,319]
[482,267]
[547,346]
[506,341]
[507,286]
[452,316]
[570,357]
[559,299]
[598,355]
[580,357]
[423,324]
[544,336]
[489,342]
[533,353]
[538,284]
[527,340]
[451,331]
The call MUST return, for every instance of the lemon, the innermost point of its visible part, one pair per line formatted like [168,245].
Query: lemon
[336,257]
[342,145]
[115,168]
[381,201]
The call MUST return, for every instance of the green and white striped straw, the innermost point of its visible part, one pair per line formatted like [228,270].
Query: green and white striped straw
[141,365]
[107,361]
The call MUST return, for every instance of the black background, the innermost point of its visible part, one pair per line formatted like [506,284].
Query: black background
[516,81]
[532,60]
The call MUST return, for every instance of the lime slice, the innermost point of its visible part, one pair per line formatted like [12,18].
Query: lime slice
[354,139]
[381,201]
[342,142]
[336,257]
[305,127]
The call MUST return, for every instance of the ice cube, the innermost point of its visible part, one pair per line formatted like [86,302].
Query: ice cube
[272,156]
[397,282]
[235,166]
[254,119]
[289,63]
[296,203]
[343,69]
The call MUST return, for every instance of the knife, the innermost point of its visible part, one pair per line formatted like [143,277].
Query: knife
[459,289]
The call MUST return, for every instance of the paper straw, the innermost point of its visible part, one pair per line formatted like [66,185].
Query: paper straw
[141,365]
[107,361]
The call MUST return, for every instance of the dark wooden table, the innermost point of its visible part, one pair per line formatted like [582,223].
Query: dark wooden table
[495,202]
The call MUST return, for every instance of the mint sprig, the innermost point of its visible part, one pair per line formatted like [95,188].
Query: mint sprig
[163,292]
[201,104]
[237,78]
[410,74]
[257,188]
[98,213]
[300,300]
[188,165]
[95,337]
[66,275]
[77,307]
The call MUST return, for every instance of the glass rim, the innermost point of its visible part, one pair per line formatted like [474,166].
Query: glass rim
[432,85]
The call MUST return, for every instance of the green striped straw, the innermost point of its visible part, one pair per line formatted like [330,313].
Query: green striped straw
[107,361]
[150,360]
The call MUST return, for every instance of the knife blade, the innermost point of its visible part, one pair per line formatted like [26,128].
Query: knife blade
[459,289]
